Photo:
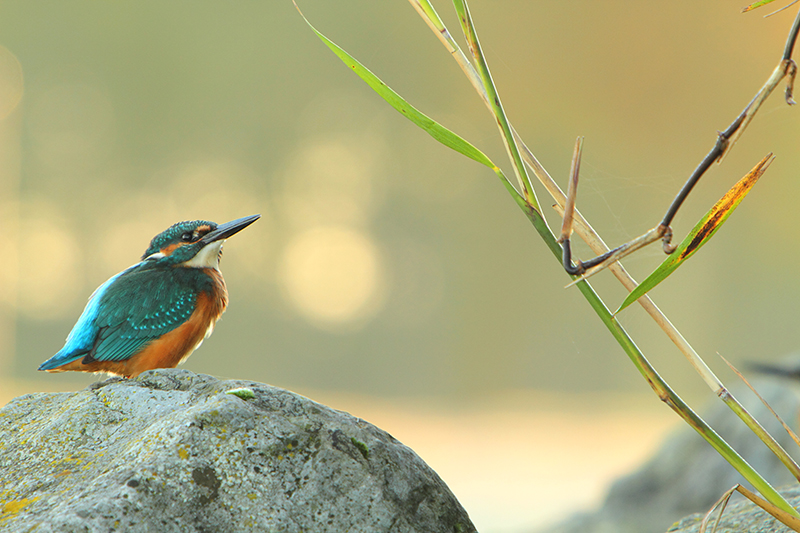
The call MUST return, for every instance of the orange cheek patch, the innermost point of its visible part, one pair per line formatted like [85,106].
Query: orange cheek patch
[167,250]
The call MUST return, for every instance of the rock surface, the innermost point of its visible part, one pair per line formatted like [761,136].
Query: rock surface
[742,517]
[687,476]
[172,451]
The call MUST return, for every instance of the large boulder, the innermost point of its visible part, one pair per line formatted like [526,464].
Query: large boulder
[176,451]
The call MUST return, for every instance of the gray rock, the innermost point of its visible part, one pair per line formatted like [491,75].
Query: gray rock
[172,451]
[687,476]
[743,516]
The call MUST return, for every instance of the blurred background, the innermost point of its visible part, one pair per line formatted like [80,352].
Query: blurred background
[389,276]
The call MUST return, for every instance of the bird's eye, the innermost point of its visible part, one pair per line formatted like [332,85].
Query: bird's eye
[187,237]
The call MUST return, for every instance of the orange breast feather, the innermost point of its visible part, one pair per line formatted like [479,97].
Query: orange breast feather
[173,347]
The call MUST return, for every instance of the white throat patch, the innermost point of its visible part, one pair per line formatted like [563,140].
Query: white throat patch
[207,257]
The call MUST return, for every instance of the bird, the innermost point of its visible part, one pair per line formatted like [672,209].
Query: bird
[155,313]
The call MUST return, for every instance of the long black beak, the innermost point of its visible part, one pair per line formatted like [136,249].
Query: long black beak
[227,229]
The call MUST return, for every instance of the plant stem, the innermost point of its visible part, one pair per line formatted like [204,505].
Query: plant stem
[494,102]
[657,383]
[662,389]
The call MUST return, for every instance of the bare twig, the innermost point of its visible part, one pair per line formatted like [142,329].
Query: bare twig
[787,6]
[572,191]
[786,68]
[721,503]
[581,226]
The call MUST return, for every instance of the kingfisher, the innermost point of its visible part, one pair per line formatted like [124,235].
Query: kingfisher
[155,313]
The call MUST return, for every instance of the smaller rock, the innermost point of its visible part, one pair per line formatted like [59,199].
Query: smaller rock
[741,517]
[687,475]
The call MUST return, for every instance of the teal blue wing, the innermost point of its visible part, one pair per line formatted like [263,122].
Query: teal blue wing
[138,308]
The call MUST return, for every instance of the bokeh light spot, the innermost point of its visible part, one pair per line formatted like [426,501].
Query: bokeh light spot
[333,276]
[72,125]
[332,181]
[49,279]
[11,84]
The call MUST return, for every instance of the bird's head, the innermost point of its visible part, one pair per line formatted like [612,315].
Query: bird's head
[195,243]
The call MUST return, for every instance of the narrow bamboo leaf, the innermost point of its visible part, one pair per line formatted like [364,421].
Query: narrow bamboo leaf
[432,15]
[434,129]
[756,4]
[471,35]
[701,233]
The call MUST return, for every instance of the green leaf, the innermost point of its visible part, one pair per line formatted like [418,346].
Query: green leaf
[436,130]
[244,393]
[701,233]
[754,5]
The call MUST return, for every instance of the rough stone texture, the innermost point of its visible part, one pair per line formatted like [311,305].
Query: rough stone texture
[171,451]
[687,476]
[742,517]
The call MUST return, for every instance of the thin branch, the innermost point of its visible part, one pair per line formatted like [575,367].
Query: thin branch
[784,8]
[722,503]
[792,39]
[581,226]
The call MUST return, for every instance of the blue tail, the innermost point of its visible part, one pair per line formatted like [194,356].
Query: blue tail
[62,358]
[82,337]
